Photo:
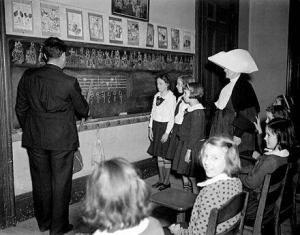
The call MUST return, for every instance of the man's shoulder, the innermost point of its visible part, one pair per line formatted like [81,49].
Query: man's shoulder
[69,77]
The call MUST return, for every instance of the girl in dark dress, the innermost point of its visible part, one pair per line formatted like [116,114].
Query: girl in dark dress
[181,106]
[279,141]
[190,135]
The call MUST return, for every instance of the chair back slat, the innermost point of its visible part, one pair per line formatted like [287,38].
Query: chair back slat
[234,206]
[231,208]
[271,195]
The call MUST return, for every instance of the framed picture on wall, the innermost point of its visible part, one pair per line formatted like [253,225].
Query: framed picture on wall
[133,32]
[187,41]
[162,34]
[150,35]
[96,27]
[175,39]
[74,24]
[22,17]
[137,9]
[115,30]
[50,20]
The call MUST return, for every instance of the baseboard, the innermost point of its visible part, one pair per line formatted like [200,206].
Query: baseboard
[24,202]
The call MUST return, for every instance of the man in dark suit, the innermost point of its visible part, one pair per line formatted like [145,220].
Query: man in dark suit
[48,102]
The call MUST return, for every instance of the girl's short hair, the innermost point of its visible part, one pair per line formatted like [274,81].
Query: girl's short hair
[232,159]
[278,111]
[116,197]
[165,78]
[186,79]
[284,130]
[196,90]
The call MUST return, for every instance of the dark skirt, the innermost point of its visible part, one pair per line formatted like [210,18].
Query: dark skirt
[191,169]
[223,125]
[173,142]
[157,148]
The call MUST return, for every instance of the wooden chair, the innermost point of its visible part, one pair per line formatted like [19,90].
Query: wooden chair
[288,205]
[176,199]
[237,204]
[270,196]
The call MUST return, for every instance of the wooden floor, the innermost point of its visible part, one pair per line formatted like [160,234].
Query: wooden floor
[165,216]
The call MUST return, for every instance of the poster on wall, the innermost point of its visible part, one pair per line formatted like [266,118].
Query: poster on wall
[50,20]
[22,16]
[187,40]
[162,34]
[175,39]
[133,33]
[74,24]
[115,30]
[96,27]
[137,9]
[150,35]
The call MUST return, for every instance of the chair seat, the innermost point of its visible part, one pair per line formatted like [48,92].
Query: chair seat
[175,199]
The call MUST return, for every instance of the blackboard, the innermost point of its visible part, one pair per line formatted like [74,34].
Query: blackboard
[117,88]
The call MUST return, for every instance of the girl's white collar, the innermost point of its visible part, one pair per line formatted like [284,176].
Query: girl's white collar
[195,107]
[277,152]
[222,176]
[138,229]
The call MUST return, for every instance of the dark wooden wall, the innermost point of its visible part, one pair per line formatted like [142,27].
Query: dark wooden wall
[7,197]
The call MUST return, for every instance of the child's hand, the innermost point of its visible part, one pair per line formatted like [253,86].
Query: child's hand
[174,228]
[187,157]
[257,124]
[255,154]
[164,138]
[237,140]
[150,134]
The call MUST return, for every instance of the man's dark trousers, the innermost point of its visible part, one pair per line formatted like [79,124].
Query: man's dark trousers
[51,173]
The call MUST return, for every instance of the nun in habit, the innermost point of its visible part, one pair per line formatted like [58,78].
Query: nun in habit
[237,105]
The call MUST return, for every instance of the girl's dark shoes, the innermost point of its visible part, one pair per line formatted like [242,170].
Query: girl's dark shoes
[164,186]
[157,184]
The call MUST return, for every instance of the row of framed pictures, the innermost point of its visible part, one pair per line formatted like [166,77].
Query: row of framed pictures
[22,14]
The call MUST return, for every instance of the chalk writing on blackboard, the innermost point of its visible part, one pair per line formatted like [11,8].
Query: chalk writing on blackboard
[106,91]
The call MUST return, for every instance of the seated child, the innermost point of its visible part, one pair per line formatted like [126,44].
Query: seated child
[117,201]
[279,140]
[220,159]
[273,111]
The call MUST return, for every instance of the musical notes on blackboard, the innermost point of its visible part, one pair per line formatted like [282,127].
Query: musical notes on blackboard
[104,90]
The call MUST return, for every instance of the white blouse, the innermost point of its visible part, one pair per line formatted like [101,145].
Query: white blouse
[165,111]
[226,94]
[182,107]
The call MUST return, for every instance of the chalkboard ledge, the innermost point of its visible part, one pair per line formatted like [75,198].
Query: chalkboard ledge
[99,123]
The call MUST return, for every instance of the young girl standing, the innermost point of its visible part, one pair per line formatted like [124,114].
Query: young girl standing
[160,126]
[220,159]
[191,133]
[181,106]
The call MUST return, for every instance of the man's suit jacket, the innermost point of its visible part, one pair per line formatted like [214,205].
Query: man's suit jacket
[48,101]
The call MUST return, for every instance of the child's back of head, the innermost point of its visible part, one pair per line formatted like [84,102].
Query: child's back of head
[116,197]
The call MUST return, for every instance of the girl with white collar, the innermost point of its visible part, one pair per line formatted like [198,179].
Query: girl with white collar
[220,159]
[279,140]
[160,126]
[117,201]
[191,132]
[180,109]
